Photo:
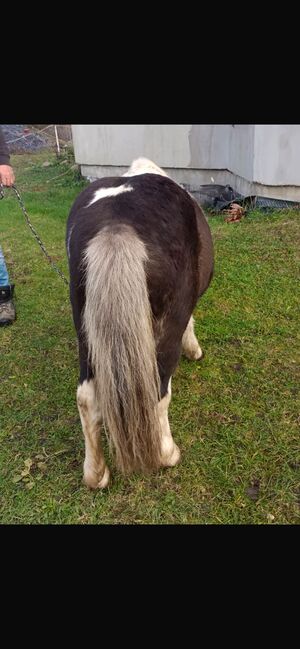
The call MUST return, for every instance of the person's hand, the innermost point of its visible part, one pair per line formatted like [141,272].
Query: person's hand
[7,176]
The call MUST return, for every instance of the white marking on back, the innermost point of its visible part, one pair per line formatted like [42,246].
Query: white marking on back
[106,192]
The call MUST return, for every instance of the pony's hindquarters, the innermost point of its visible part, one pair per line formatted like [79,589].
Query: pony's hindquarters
[117,322]
[126,359]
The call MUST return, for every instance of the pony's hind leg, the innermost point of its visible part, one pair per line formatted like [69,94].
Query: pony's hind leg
[170,453]
[96,473]
[190,345]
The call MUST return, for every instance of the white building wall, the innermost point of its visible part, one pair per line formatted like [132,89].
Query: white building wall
[262,159]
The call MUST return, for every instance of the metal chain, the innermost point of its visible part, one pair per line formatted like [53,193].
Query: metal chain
[51,262]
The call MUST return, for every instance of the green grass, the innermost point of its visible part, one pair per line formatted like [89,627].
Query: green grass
[235,415]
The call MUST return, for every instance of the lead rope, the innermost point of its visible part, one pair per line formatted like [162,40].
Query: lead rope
[51,262]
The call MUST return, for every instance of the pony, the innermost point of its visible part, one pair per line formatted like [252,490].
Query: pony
[140,256]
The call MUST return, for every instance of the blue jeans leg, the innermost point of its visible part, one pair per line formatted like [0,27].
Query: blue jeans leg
[4,279]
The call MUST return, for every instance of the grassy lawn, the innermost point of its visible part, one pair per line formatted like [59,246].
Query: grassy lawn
[235,415]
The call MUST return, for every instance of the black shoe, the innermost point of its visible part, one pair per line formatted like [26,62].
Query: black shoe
[7,309]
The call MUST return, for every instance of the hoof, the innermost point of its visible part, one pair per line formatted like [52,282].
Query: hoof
[195,355]
[172,458]
[91,479]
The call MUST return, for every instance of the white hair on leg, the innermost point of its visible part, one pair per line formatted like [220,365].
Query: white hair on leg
[190,345]
[170,453]
[96,473]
